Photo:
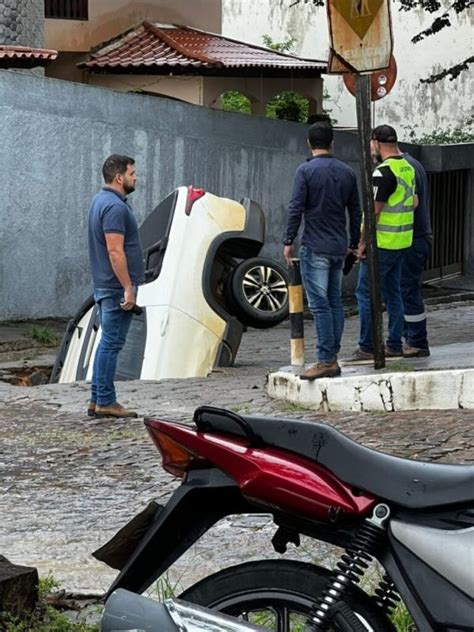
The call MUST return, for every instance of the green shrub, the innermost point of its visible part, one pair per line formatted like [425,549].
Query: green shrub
[45,618]
[43,335]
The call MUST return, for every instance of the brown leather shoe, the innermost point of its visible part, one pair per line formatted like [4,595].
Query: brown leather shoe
[91,409]
[321,369]
[415,352]
[391,353]
[114,410]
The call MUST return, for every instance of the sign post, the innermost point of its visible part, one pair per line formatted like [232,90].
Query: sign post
[365,129]
[361,42]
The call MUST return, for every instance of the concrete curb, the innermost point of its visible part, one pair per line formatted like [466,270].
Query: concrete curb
[381,392]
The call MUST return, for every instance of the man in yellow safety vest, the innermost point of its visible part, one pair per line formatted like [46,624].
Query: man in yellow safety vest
[395,201]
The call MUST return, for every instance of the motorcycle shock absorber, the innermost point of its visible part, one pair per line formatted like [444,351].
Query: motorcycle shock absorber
[350,568]
[386,596]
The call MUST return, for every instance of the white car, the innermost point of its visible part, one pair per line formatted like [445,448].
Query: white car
[204,285]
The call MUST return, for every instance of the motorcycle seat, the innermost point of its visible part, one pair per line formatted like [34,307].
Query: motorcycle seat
[407,483]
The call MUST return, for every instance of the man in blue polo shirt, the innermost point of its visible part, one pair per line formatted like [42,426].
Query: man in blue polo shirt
[324,190]
[116,259]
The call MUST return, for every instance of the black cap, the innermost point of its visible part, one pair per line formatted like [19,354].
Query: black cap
[384,134]
[320,135]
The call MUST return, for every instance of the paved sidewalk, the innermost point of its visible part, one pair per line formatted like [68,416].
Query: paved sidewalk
[67,482]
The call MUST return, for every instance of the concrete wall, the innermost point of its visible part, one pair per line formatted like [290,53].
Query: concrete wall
[55,136]
[21,22]
[411,104]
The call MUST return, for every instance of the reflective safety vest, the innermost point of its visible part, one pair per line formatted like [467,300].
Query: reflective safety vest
[395,222]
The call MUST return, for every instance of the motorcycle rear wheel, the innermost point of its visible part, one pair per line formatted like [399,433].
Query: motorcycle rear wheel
[279,595]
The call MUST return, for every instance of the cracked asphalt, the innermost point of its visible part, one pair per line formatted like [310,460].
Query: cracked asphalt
[68,482]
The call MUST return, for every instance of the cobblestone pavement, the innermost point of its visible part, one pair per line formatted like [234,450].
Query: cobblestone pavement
[68,482]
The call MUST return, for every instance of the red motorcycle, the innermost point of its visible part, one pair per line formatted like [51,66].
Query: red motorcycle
[415,518]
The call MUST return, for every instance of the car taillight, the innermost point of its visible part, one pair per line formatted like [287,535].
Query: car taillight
[193,195]
[177,459]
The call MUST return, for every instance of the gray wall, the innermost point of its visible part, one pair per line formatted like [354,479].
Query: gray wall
[21,22]
[55,136]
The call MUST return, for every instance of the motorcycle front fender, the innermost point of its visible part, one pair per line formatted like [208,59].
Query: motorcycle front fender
[162,534]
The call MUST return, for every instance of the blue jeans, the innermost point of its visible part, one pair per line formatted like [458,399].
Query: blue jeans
[413,306]
[322,281]
[115,323]
[390,271]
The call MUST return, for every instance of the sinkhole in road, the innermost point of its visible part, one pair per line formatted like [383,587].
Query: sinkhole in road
[26,375]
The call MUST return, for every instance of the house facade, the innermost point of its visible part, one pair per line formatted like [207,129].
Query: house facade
[170,48]
[411,105]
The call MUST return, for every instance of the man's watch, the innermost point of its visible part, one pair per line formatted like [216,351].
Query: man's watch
[287,242]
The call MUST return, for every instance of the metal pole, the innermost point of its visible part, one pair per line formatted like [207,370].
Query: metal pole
[295,302]
[363,123]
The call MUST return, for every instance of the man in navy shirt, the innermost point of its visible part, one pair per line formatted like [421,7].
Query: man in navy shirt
[324,189]
[116,259]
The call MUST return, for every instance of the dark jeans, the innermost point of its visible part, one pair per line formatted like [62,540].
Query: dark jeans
[322,280]
[115,323]
[413,306]
[390,271]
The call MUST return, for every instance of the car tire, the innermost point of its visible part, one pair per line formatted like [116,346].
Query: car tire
[258,292]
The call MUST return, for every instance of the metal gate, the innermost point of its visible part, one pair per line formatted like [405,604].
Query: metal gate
[448,197]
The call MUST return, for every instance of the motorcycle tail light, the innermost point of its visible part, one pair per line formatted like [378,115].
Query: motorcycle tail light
[193,195]
[177,459]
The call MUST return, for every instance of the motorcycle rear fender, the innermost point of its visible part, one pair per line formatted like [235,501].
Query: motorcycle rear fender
[204,498]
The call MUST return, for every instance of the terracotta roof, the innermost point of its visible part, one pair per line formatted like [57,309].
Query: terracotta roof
[169,48]
[25,56]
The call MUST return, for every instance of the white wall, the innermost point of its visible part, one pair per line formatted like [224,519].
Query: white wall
[411,104]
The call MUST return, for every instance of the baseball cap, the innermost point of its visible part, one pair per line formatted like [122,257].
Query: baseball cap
[384,134]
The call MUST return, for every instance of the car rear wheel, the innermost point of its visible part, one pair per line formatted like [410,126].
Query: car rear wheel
[258,292]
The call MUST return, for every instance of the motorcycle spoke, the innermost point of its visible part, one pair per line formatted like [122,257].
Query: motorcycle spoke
[283,619]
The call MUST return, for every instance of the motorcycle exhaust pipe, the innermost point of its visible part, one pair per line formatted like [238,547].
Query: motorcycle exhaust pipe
[126,611]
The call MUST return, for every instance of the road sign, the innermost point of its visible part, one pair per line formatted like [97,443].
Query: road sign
[361,35]
[381,82]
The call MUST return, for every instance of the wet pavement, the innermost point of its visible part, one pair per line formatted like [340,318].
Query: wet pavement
[68,482]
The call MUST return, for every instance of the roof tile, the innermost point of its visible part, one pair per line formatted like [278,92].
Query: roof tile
[25,55]
[151,44]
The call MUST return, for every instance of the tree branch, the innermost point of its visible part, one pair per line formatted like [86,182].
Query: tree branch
[452,72]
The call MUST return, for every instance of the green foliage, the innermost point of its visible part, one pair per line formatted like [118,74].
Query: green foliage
[43,335]
[402,620]
[281,47]
[233,101]
[448,136]
[164,588]
[45,618]
[288,106]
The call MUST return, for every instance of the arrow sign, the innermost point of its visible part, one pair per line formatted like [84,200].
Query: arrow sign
[361,35]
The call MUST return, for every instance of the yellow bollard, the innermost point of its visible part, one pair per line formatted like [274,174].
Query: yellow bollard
[295,301]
